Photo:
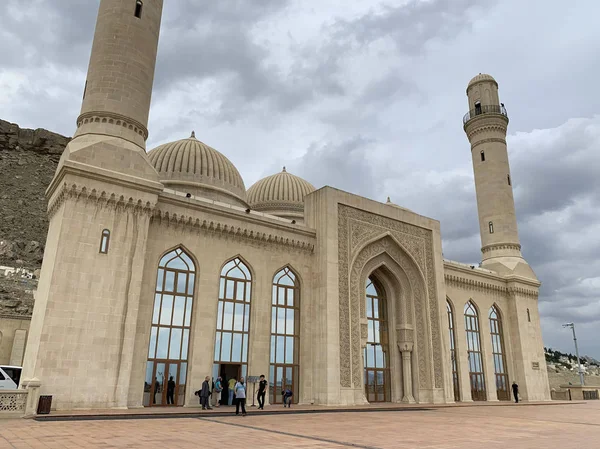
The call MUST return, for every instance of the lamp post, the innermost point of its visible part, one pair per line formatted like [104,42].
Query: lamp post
[572,327]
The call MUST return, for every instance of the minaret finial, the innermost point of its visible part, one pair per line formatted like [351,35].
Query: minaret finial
[193,136]
[284,170]
[389,201]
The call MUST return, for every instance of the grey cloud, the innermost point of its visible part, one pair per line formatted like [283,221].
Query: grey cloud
[343,165]
[414,24]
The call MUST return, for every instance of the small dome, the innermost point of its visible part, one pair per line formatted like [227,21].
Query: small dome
[191,166]
[481,77]
[281,194]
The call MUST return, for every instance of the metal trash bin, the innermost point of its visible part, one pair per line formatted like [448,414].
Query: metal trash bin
[44,405]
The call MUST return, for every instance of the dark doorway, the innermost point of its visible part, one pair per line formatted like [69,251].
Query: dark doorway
[228,371]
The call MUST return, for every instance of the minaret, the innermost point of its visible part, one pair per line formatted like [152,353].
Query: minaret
[81,339]
[486,124]
[118,90]
[113,125]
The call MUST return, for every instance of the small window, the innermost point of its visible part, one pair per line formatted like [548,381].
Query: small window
[477,108]
[104,241]
[528,316]
[138,9]
[483,156]
[491,225]
[508,178]
[85,89]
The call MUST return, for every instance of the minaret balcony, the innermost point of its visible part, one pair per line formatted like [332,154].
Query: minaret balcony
[485,110]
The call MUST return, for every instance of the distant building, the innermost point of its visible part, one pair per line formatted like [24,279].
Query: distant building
[162,264]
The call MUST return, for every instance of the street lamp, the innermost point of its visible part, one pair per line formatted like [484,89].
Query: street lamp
[572,326]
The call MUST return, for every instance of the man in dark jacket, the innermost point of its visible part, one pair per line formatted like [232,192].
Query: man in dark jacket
[515,389]
[205,394]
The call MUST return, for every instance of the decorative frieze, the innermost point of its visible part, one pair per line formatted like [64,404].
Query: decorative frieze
[492,140]
[98,198]
[194,224]
[501,246]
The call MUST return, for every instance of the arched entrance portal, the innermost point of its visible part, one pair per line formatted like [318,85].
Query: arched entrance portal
[389,343]
[377,350]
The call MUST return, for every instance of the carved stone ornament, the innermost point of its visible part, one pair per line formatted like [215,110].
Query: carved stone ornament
[355,228]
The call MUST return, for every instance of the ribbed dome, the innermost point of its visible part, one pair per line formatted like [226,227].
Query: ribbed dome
[191,166]
[281,194]
[481,77]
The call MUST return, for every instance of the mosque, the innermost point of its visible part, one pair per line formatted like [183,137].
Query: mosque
[162,264]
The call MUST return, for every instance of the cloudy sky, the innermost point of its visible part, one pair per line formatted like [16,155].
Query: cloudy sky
[367,96]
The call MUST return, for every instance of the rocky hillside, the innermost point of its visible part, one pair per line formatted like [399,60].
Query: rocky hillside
[28,160]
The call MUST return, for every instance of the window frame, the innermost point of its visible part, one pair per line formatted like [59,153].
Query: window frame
[104,241]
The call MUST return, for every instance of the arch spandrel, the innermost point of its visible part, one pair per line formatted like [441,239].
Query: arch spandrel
[412,306]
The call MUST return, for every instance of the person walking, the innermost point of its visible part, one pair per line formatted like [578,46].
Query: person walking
[231,386]
[170,391]
[515,389]
[262,391]
[240,394]
[205,394]
[287,397]
[217,392]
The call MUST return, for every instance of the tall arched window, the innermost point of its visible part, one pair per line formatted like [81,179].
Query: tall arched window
[166,369]
[377,369]
[453,352]
[285,331]
[498,353]
[476,373]
[233,322]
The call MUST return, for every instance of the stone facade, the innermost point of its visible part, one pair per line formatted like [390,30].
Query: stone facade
[93,337]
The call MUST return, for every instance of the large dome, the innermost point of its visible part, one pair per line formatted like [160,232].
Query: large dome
[191,166]
[281,194]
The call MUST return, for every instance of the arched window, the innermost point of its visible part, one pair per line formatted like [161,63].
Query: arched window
[138,8]
[104,241]
[285,331]
[476,373]
[491,227]
[482,156]
[377,370]
[453,352]
[508,178]
[498,354]
[528,316]
[166,369]
[233,322]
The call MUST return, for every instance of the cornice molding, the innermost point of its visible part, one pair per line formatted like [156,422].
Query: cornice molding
[193,224]
[491,140]
[501,246]
[100,198]
[111,118]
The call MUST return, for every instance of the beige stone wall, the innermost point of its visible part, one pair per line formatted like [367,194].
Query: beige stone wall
[523,346]
[9,328]
[211,249]
[85,313]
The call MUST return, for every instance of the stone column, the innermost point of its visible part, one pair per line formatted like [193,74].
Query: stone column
[33,395]
[406,349]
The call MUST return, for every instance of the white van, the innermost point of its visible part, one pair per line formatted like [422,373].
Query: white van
[10,377]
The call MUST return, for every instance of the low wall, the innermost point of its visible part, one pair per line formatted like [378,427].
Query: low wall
[12,403]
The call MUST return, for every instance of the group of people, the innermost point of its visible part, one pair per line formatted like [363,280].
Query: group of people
[237,394]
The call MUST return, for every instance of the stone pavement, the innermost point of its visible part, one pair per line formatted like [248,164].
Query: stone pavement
[515,427]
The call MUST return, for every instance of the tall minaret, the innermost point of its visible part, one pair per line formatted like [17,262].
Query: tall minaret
[116,99]
[83,330]
[486,124]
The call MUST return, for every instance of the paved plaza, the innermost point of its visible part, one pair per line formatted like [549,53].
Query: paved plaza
[523,426]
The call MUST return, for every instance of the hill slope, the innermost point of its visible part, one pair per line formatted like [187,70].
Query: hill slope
[28,160]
